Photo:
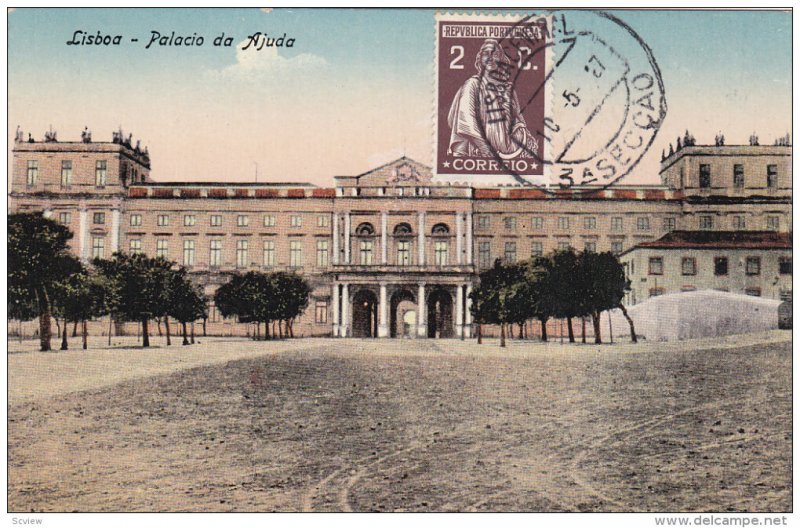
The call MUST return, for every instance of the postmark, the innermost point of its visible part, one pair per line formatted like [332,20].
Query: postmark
[556,100]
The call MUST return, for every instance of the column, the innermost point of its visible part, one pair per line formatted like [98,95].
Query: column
[459,310]
[336,239]
[459,240]
[422,312]
[347,238]
[335,309]
[421,238]
[469,238]
[468,313]
[343,332]
[83,232]
[383,313]
[384,237]
[114,230]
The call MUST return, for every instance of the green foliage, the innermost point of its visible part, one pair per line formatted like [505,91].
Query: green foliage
[139,285]
[263,297]
[187,302]
[81,297]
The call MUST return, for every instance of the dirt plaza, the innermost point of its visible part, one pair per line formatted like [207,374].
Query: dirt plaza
[402,425]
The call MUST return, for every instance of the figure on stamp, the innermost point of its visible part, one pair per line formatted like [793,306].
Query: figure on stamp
[485,117]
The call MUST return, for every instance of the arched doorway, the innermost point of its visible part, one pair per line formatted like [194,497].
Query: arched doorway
[440,314]
[402,314]
[365,314]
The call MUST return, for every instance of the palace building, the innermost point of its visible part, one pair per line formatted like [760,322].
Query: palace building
[392,252]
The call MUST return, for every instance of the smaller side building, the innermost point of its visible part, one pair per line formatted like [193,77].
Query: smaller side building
[757,263]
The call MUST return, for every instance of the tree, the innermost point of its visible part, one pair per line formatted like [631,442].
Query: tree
[187,301]
[78,299]
[38,258]
[501,297]
[291,294]
[21,305]
[604,284]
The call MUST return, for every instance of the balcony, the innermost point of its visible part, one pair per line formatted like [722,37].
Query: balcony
[449,269]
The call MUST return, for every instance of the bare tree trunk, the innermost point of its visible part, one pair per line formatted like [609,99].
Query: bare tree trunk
[502,335]
[145,334]
[158,326]
[569,329]
[480,334]
[19,332]
[583,329]
[596,322]
[266,331]
[521,331]
[110,325]
[205,320]
[280,330]
[44,319]
[290,327]
[64,345]
[75,329]
[258,330]
[185,334]
[166,326]
[85,334]
[634,339]
[192,327]
[544,329]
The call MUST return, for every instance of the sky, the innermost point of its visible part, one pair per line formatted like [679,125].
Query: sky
[355,90]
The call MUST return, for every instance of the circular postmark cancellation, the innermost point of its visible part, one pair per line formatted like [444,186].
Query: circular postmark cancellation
[556,100]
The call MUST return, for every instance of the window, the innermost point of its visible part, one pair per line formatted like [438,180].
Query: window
[100,171]
[136,220]
[785,265]
[484,254]
[537,222]
[241,253]
[296,254]
[296,221]
[510,252]
[754,292]
[536,249]
[669,224]
[365,250]
[590,222]
[484,221]
[616,223]
[773,223]
[189,220]
[655,292]
[33,172]
[510,223]
[213,314]
[440,252]
[321,312]
[720,266]
[656,266]
[163,220]
[135,246]
[66,173]
[242,221]
[616,247]
[772,176]
[706,222]
[643,223]
[188,252]
[442,229]
[688,266]
[705,176]
[322,253]
[269,253]
[738,176]
[269,220]
[564,246]
[591,247]
[738,222]
[753,266]
[99,218]
[215,252]
[216,220]
[98,247]
[563,222]
[402,229]
[365,229]
[403,253]
[65,218]
[323,221]
[162,248]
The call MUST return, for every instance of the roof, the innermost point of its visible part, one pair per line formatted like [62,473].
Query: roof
[221,184]
[719,240]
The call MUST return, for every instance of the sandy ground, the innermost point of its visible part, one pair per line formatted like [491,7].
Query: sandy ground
[339,425]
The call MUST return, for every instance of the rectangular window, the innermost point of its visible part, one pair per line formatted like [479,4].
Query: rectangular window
[216,220]
[738,176]
[33,172]
[241,253]
[269,220]
[785,265]
[296,254]
[403,253]
[537,222]
[720,266]
[536,249]
[706,222]
[321,311]
[65,218]
[135,246]
[590,247]
[484,254]
[738,222]
[440,248]
[66,173]
[773,223]
[242,220]
[754,292]
[656,266]
[213,314]
[669,224]
[643,223]
[323,221]
[98,247]
[99,218]
[655,292]
[188,252]
[322,253]
[564,246]
[296,221]
[215,252]
[688,266]
[510,252]
[163,220]
[510,223]
[616,247]
[772,176]
[365,250]
[590,222]
[269,253]
[753,266]
[162,248]
[705,176]
[563,222]
[136,220]
[616,223]
[484,221]
[189,220]
[100,172]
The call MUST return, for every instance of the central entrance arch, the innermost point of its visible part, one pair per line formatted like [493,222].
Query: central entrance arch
[402,314]
[440,314]
[365,314]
